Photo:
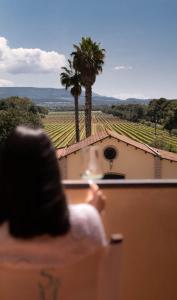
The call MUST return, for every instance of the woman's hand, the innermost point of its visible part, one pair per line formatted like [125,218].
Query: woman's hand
[96,197]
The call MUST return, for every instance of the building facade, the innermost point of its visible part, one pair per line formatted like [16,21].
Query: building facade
[118,157]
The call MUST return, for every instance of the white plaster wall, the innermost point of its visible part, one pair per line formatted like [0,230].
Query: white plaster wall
[169,169]
[131,162]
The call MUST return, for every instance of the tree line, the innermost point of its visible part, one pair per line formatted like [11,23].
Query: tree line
[159,112]
[16,111]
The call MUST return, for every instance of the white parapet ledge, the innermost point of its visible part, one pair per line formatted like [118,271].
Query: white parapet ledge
[122,183]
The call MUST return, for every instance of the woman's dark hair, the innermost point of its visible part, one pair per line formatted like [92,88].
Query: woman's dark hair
[32,196]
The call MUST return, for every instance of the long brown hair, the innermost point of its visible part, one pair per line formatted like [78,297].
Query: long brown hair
[31,186]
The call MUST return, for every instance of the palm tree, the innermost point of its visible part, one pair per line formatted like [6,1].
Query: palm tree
[71,78]
[88,59]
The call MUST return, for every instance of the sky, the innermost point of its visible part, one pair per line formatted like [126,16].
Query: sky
[139,36]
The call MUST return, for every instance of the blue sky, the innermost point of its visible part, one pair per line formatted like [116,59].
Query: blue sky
[140,38]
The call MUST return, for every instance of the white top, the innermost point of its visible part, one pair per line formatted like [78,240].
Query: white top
[85,236]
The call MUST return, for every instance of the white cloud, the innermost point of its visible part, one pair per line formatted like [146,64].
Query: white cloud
[118,68]
[29,60]
[5,82]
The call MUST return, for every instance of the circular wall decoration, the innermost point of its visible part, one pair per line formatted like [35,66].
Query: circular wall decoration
[110,153]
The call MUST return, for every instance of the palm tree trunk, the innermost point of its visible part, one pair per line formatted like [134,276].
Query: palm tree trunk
[88,110]
[76,118]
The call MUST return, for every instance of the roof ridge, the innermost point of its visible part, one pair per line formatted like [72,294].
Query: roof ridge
[108,131]
[101,135]
[153,150]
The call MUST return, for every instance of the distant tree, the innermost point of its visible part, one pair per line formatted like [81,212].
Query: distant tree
[171,121]
[155,111]
[130,112]
[16,111]
[17,103]
[24,104]
[70,78]
[42,110]
[88,59]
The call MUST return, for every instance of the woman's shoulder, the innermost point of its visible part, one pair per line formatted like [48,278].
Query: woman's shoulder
[84,213]
[83,208]
[86,234]
[86,223]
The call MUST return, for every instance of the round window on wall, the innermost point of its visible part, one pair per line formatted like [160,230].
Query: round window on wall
[110,153]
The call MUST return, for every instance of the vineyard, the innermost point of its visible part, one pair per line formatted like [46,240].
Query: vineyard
[60,127]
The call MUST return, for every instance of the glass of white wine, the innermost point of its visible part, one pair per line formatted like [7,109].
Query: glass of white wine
[91,166]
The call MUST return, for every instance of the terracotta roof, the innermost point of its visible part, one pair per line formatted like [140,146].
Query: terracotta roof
[129,141]
[166,154]
[62,152]
[59,152]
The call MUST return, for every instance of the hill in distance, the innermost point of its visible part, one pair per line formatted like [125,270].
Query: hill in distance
[61,97]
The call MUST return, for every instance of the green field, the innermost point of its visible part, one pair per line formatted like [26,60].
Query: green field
[61,129]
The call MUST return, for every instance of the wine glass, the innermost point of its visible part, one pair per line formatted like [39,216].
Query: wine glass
[91,166]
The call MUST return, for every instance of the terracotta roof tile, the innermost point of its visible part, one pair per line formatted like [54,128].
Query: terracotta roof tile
[166,154]
[129,141]
[62,152]
[84,143]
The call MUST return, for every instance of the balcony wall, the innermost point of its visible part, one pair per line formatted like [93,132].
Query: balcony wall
[145,212]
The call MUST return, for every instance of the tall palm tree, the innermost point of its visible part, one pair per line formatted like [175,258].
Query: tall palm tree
[71,79]
[88,59]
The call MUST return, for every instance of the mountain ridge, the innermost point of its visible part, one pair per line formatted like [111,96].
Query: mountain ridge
[62,97]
